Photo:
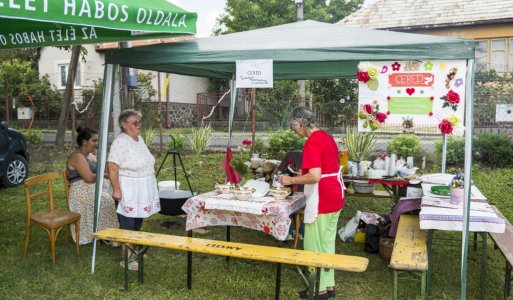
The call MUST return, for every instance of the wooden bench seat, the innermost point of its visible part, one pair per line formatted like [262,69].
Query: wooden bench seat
[410,251]
[504,242]
[231,249]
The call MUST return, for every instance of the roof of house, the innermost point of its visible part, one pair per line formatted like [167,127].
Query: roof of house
[115,45]
[415,14]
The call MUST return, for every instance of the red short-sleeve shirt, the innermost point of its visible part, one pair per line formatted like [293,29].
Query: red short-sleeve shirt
[321,151]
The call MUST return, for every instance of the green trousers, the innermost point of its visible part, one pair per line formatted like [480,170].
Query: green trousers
[320,237]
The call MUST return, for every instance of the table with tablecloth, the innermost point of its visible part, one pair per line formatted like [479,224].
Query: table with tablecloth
[437,213]
[266,214]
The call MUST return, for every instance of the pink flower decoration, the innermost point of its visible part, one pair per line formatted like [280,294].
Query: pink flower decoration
[396,66]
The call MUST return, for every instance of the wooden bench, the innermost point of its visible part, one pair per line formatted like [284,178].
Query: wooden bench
[504,242]
[410,251]
[143,240]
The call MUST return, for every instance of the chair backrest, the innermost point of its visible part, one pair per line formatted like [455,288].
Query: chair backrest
[66,185]
[35,180]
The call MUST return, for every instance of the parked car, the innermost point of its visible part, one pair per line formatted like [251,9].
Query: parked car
[14,156]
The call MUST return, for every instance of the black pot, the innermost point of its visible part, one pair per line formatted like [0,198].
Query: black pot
[171,202]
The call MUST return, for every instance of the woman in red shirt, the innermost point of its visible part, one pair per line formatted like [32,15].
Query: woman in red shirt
[323,191]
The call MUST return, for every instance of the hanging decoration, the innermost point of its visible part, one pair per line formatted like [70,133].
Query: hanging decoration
[451,99]
[368,74]
[371,115]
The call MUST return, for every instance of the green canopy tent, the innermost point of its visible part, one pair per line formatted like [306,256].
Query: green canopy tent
[26,24]
[302,50]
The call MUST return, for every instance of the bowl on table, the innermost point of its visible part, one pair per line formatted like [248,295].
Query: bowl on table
[243,194]
[223,188]
[279,193]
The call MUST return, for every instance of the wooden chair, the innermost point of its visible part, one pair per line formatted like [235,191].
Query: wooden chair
[52,220]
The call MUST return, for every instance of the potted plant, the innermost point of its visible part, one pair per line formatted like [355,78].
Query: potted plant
[360,147]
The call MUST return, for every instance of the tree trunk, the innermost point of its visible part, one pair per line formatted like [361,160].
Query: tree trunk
[68,96]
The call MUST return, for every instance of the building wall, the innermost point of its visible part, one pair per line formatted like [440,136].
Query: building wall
[182,89]
[91,69]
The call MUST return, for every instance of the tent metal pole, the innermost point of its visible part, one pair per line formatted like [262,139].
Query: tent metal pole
[469,130]
[444,152]
[108,88]
[233,98]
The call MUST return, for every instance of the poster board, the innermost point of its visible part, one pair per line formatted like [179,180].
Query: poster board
[256,73]
[424,92]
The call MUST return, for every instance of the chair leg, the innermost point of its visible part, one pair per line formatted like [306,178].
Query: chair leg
[27,239]
[423,286]
[53,237]
[77,234]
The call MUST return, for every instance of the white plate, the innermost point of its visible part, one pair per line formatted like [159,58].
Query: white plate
[261,187]
[415,181]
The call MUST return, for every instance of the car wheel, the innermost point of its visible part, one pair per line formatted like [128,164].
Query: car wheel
[16,171]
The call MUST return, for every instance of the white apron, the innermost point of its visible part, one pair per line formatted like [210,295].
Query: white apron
[311,192]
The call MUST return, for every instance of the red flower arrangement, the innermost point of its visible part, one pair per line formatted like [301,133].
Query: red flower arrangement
[373,118]
[246,143]
[445,127]
[451,99]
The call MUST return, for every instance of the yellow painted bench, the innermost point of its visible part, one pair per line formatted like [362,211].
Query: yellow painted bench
[231,249]
[504,242]
[410,251]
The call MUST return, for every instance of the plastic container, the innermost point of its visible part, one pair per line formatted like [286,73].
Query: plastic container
[168,185]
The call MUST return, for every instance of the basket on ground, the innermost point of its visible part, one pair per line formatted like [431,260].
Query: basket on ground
[386,246]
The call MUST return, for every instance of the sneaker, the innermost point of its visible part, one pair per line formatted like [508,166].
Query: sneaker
[289,237]
[301,237]
[132,266]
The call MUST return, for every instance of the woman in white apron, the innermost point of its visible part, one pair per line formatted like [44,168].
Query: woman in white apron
[323,191]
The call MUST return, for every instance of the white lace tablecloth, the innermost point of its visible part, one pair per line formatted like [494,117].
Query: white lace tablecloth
[438,213]
[266,214]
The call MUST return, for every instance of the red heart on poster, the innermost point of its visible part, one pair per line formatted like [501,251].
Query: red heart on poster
[410,91]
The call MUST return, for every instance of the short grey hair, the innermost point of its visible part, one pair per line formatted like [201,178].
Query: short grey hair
[127,113]
[303,115]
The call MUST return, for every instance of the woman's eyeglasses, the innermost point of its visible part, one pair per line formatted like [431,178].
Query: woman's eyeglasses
[135,123]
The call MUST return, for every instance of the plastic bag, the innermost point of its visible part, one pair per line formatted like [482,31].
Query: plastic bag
[348,231]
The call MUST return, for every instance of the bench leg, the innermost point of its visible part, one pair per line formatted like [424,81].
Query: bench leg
[313,282]
[430,260]
[482,281]
[228,239]
[396,279]
[189,265]
[507,281]
[126,266]
[423,286]
[278,282]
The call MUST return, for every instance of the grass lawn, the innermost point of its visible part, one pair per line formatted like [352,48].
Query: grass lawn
[33,277]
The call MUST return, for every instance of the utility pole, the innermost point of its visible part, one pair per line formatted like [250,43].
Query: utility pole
[301,83]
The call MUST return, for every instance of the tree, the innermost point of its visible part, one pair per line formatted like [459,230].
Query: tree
[242,15]
[21,80]
[68,96]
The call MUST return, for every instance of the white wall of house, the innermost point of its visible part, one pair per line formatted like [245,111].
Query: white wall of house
[182,89]
[54,62]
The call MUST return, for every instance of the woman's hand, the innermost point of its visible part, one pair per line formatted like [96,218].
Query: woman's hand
[116,195]
[285,180]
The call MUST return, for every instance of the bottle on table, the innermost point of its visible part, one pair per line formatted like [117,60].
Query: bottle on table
[343,157]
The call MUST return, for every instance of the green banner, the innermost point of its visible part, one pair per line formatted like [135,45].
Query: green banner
[48,34]
[410,105]
[31,23]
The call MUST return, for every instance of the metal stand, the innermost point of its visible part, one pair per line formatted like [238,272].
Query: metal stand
[176,154]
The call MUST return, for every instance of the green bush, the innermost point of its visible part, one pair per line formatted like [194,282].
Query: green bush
[494,150]
[283,141]
[260,145]
[200,139]
[404,145]
[455,150]
[33,136]
[148,136]
[178,144]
